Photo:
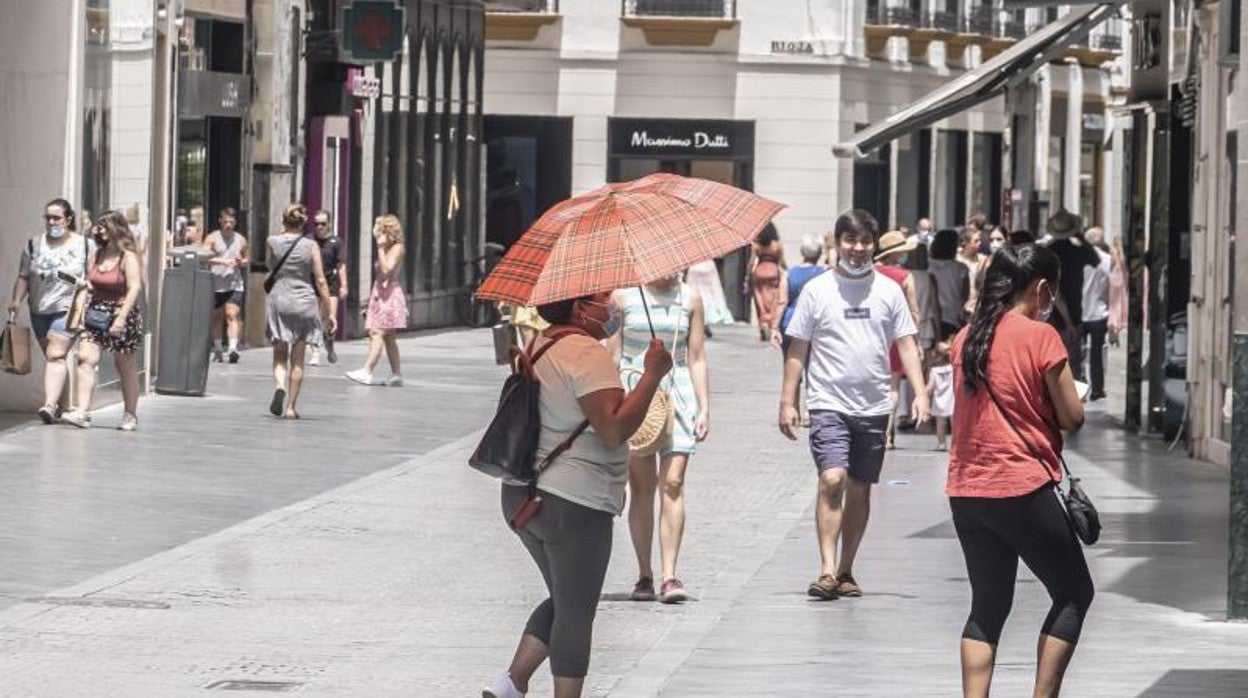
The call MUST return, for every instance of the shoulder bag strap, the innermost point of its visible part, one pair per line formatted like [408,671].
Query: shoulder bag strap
[1022,438]
[580,429]
[282,261]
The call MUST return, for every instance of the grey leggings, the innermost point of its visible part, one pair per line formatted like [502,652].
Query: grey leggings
[571,545]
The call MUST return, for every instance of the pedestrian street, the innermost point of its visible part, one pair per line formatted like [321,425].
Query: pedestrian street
[354,553]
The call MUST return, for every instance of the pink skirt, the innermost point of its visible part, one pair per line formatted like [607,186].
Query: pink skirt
[387,307]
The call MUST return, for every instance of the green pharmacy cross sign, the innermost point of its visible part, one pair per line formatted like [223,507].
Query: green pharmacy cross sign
[372,30]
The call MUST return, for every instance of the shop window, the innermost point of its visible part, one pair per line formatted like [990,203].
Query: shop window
[914,160]
[528,170]
[950,184]
[1089,183]
[986,175]
[1057,180]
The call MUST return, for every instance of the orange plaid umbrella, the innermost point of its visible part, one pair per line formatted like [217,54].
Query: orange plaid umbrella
[624,235]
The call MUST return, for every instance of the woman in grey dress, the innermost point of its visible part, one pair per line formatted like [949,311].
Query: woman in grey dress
[295,307]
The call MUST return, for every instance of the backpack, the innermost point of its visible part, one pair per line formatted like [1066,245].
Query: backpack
[509,447]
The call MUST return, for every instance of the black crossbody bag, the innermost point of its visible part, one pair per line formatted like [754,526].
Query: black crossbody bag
[1080,512]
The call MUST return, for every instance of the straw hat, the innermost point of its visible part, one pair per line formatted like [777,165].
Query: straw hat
[893,242]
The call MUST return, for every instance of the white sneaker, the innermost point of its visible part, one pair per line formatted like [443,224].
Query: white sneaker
[360,376]
[128,423]
[314,359]
[393,382]
[502,688]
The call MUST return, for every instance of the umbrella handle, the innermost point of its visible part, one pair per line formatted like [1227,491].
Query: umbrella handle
[646,306]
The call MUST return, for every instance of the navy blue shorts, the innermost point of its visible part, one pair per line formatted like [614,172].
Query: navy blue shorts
[220,298]
[847,441]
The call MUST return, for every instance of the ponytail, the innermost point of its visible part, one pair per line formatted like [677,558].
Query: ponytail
[1010,271]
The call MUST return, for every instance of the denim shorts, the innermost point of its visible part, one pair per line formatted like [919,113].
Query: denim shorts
[41,324]
[847,441]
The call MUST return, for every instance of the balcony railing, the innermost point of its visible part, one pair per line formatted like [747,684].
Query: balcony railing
[980,20]
[537,6]
[941,20]
[891,13]
[1108,36]
[716,9]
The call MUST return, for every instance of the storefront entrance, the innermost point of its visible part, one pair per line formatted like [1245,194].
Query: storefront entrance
[721,151]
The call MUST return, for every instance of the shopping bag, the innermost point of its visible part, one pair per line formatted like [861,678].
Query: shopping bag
[15,349]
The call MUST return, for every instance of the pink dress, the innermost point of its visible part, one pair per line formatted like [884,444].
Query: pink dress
[387,303]
[1117,299]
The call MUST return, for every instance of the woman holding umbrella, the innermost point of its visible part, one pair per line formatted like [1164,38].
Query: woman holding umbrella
[582,490]
[567,264]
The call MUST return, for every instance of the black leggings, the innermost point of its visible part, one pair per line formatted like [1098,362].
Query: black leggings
[994,534]
[571,545]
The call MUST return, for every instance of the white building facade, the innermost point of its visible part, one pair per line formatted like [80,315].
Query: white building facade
[582,92]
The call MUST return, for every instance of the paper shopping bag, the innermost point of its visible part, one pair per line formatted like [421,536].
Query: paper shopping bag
[15,349]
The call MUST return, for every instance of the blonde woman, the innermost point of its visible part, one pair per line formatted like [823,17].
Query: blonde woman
[296,305]
[116,279]
[387,305]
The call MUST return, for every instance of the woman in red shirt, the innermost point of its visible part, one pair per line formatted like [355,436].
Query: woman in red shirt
[1015,394]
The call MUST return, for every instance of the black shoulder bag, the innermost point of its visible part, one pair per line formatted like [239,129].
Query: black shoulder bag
[271,279]
[1080,512]
[509,447]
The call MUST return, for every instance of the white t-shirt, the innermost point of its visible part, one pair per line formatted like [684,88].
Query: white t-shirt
[588,473]
[850,324]
[1096,288]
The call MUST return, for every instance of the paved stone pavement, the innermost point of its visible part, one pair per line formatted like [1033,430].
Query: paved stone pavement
[354,554]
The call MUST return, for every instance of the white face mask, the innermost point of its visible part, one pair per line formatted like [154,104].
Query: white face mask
[1046,312]
[995,245]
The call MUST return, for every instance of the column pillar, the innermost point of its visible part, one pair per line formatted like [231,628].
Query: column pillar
[1074,140]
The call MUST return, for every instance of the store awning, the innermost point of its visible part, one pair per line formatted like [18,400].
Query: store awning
[991,78]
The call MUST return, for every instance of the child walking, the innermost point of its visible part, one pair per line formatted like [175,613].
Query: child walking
[940,393]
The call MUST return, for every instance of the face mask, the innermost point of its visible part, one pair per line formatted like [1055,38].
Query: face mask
[854,271]
[613,324]
[925,236]
[56,232]
[995,245]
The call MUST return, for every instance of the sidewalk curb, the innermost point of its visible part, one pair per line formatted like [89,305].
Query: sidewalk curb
[31,608]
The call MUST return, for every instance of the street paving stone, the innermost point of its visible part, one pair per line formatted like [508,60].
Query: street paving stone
[354,554]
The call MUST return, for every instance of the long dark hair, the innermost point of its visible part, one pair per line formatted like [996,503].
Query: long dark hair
[67,210]
[1011,271]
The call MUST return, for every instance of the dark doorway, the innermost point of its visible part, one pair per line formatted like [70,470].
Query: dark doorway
[528,170]
[873,185]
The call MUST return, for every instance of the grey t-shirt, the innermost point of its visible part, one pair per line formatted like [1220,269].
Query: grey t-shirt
[49,294]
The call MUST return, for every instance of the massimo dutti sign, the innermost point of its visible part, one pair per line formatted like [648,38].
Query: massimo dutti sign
[699,138]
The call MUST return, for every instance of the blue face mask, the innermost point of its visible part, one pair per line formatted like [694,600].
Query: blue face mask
[854,271]
[56,232]
[613,323]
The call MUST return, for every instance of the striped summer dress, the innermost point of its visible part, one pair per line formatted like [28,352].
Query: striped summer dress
[667,311]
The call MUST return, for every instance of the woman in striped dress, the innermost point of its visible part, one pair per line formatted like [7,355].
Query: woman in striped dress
[677,313]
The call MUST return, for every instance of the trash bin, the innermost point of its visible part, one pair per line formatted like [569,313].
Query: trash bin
[185,323]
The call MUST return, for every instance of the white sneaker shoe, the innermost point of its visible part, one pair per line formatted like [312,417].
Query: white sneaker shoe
[360,376]
[314,358]
[393,382]
[502,688]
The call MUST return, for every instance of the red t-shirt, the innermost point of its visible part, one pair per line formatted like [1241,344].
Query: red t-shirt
[899,275]
[987,458]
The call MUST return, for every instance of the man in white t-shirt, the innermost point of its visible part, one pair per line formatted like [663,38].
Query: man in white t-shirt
[841,332]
